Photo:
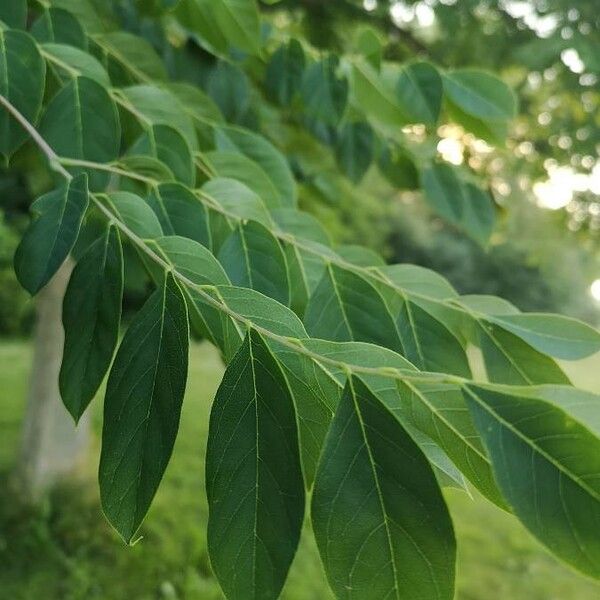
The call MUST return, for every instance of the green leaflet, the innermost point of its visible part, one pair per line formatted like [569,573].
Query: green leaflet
[91,17]
[428,342]
[359,255]
[180,212]
[82,122]
[229,87]
[14,13]
[196,103]
[355,149]
[239,20]
[381,523]
[69,62]
[546,460]
[199,16]
[305,271]
[58,26]
[192,260]
[346,307]
[158,106]
[494,132]
[146,166]
[419,280]
[170,147]
[489,305]
[52,235]
[142,408]
[420,91]
[554,335]
[439,411]
[370,43]
[324,91]
[199,266]
[261,151]
[253,258]
[22,77]
[509,359]
[237,200]
[237,166]
[301,225]
[429,336]
[461,203]
[262,311]
[131,54]
[398,167]
[283,77]
[135,213]
[480,94]
[374,96]
[253,477]
[315,396]
[91,319]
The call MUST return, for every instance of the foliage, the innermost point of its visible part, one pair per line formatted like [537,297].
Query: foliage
[548,49]
[79,557]
[348,380]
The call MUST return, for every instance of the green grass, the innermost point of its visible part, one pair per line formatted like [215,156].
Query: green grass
[66,551]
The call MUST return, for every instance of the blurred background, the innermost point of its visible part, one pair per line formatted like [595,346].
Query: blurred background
[543,256]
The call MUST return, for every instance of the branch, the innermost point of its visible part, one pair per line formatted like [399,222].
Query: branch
[294,344]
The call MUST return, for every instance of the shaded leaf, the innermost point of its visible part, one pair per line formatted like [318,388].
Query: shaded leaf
[420,90]
[53,233]
[70,61]
[58,26]
[142,408]
[91,319]
[285,71]
[253,258]
[181,213]
[324,91]
[81,121]
[346,307]
[261,151]
[355,148]
[22,80]
[14,13]
[510,360]
[170,147]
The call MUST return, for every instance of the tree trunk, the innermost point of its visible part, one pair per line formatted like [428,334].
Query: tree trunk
[51,445]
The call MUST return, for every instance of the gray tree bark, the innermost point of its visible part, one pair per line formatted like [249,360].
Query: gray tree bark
[51,445]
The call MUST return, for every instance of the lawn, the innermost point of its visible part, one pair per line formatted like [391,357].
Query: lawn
[66,551]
